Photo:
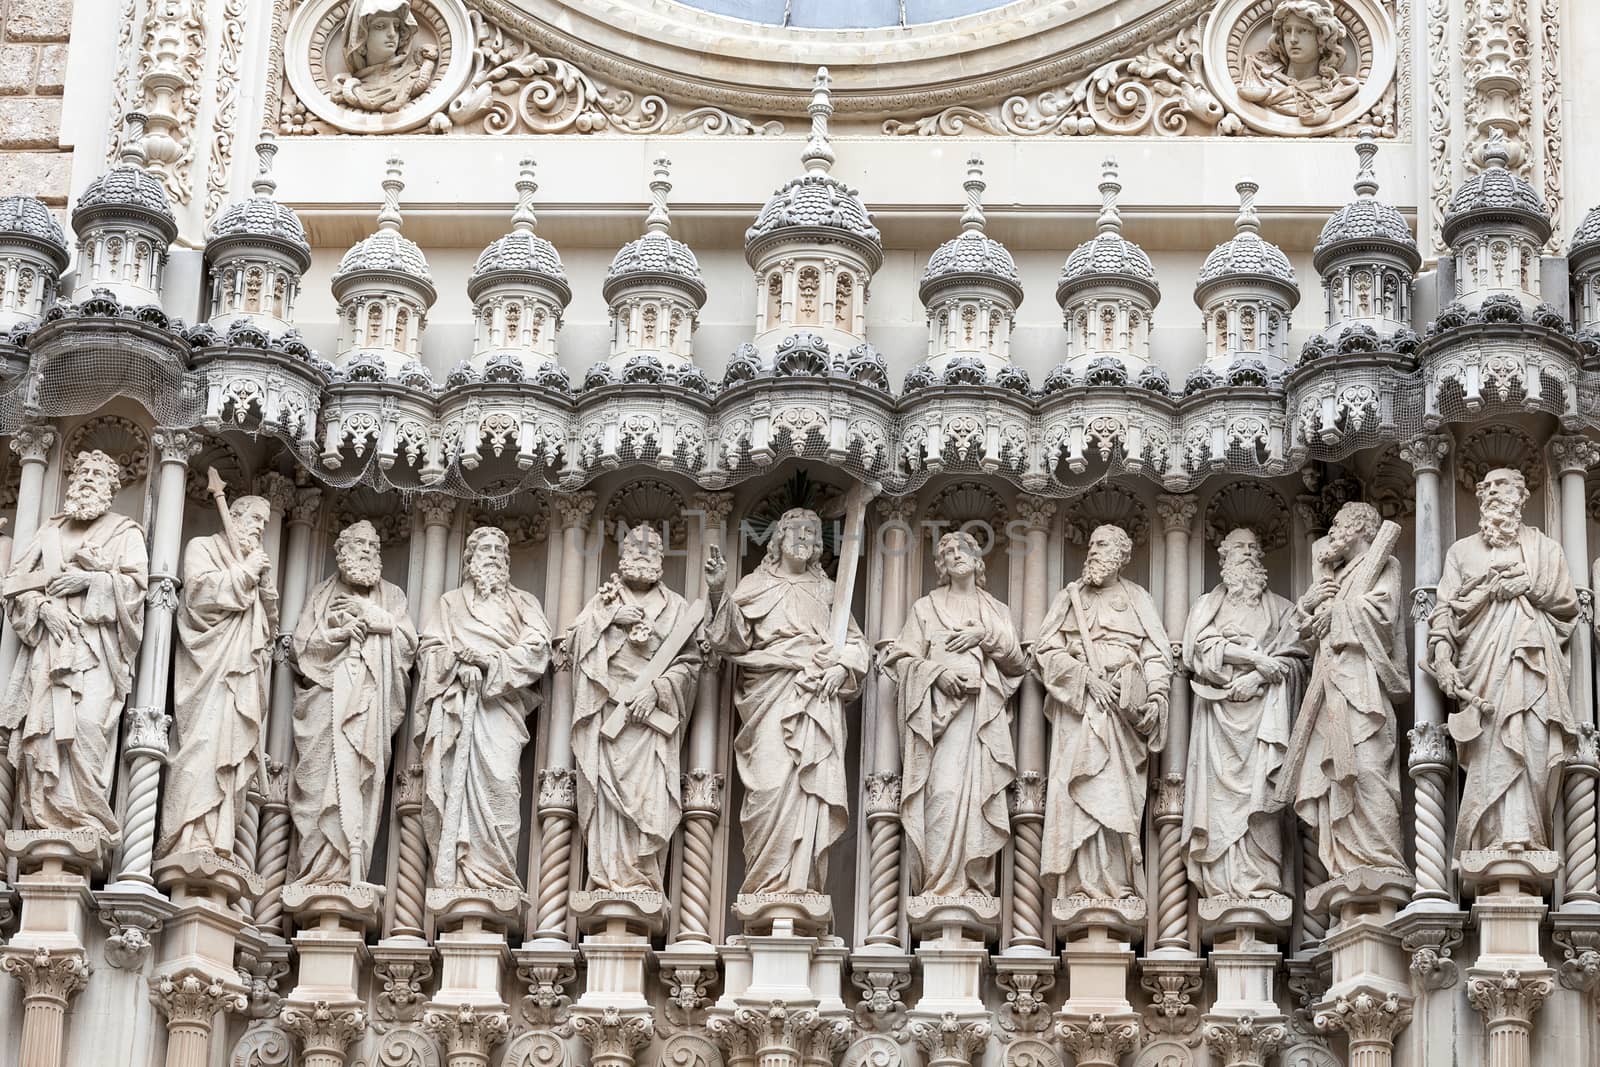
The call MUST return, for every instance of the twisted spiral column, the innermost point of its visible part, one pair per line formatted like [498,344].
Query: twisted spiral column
[272,861]
[1583,767]
[1312,927]
[557,814]
[411,875]
[1027,839]
[245,840]
[1172,887]
[1429,764]
[1176,514]
[702,804]
[146,753]
[883,859]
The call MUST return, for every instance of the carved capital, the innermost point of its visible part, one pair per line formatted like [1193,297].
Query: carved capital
[400,999]
[1177,511]
[176,446]
[277,489]
[1432,948]
[1035,511]
[1585,756]
[412,783]
[193,998]
[881,1009]
[1574,454]
[147,732]
[1245,1041]
[803,1031]
[613,1036]
[574,509]
[465,1030]
[1509,996]
[32,442]
[883,793]
[702,791]
[716,506]
[324,1028]
[283,649]
[951,1041]
[546,1002]
[48,975]
[436,509]
[1367,1018]
[1096,1039]
[1027,794]
[900,509]
[305,507]
[1172,986]
[1426,453]
[557,790]
[1169,798]
[162,594]
[1430,749]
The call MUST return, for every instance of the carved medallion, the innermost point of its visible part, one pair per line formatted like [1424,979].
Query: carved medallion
[378,66]
[1166,1053]
[689,1050]
[873,1050]
[1029,1052]
[1301,68]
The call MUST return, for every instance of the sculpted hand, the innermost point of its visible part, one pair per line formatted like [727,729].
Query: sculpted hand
[56,618]
[963,640]
[1103,693]
[642,705]
[1512,588]
[1445,673]
[1150,715]
[1321,624]
[833,680]
[67,584]
[716,571]
[469,675]
[356,630]
[257,562]
[472,657]
[1245,687]
[951,684]
[1268,668]
[628,615]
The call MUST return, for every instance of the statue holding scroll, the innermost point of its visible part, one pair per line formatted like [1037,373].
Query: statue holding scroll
[794,675]
[226,623]
[1103,655]
[1341,772]
[1498,645]
[956,663]
[629,714]
[353,648]
[479,666]
[75,599]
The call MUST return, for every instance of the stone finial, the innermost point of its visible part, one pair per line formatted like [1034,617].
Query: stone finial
[818,156]
[659,220]
[266,149]
[972,218]
[1247,221]
[389,218]
[523,219]
[1497,150]
[1110,220]
[132,150]
[1366,150]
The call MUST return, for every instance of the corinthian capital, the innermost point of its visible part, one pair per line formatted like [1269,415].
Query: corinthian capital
[1176,511]
[307,505]
[324,1028]
[176,446]
[1427,452]
[277,489]
[1511,995]
[46,974]
[951,1040]
[1246,1040]
[193,998]
[574,509]
[1574,454]
[32,442]
[467,1031]
[436,509]
[613,1036]
[716,506]
[1367,1017]
[1035,511]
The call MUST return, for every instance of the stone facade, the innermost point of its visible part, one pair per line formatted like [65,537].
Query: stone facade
[481,586]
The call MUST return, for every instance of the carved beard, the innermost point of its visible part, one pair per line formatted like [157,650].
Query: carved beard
[361,573]
[1499,521]
[1245,578]
[640,571]
[1099,569]
[87,501]
[490,576]
[1338,549]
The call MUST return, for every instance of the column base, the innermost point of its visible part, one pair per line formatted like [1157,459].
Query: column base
[473,954]
[615,959]
[1097,975]
[952,975]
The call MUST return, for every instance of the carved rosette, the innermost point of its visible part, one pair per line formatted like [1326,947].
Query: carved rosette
[1097,1041]
[49,975]
[951,1041]
[465,1030]
[193,999]
[1367,1018]
[702,792]
[1246,1041]
[324,1028]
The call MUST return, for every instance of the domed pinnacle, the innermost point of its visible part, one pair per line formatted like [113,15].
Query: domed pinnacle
[972,219]
[389,218]
[1110,220]
[818,155]
[132,150]
[266,148]
[523,219]
[1366,179]
[659,220]
[1247,221]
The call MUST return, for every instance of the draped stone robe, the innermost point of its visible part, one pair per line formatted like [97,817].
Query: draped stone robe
[64,699]
[349,702]
[1234,833]
[628,787]
[1094,807]
[1513,655]
[222,666]
[471,738]
[1345,781]
[791,743]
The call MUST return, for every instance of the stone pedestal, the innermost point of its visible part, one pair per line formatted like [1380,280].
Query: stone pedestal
[1245,1026]
[615,955]
[48,954]
[204,873]
[1370,994]
[195,975]
[472,949]
[952,968]
[1509,981]
[327,1006]
[782,1002]
[1097,1024]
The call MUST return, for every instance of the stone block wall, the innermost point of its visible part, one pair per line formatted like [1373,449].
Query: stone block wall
[33,67]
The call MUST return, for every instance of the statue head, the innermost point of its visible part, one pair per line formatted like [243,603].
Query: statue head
[250,515]
[1110,550]
[1501,495]
[376,31]
[1244,571]
[1306,37]
[1353,528]
[96,477]
[486,559]
[358,551]
[958,554]
[796,543]
[641,556]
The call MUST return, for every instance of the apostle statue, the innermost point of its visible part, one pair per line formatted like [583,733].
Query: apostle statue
[478,672]
[353,647]
[226,623]
[1247,666]
[1341,772]
[1104,657]
[956,662]
[1498,645]
[75,599]
[628,720]
[793,680]
[387,67]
